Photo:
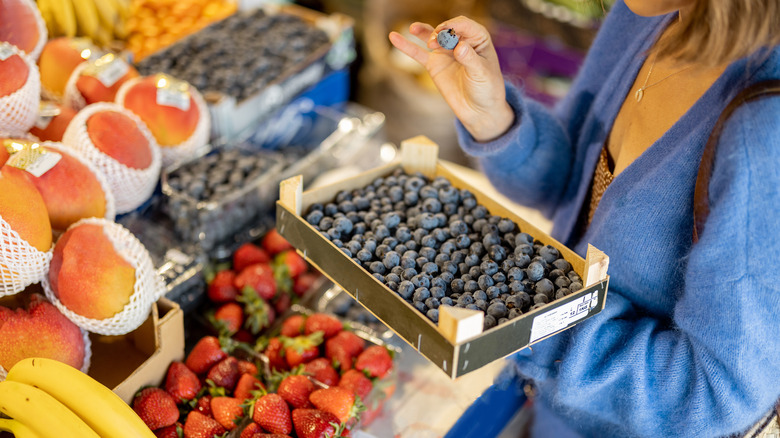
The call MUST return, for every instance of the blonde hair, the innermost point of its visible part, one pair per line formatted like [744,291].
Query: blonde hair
[722,31]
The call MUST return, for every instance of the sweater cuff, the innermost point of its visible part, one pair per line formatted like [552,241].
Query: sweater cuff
[522,129]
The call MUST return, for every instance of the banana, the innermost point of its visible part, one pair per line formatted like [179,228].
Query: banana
[108,12]
[18,429]
[40,412]
[48,17]
[98,406]
[64,16]
[87,17]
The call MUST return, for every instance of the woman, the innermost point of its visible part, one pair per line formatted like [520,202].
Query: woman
[688,343]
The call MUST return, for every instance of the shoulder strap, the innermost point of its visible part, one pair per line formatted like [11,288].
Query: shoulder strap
[701,206]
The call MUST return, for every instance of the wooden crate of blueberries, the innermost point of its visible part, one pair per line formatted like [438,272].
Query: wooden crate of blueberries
[455,274]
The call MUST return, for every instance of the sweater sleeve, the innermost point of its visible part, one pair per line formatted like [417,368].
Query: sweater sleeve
[713,368]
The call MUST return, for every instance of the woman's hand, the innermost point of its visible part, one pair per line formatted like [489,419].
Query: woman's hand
[468,77]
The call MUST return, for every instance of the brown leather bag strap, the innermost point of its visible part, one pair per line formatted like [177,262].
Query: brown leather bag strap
[701,205]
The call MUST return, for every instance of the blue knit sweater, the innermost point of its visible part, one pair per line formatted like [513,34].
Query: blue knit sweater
[688,344]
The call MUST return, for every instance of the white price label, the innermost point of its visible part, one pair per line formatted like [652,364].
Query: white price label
[563,316]
[6,50]
[108,69]
[43,121]
[174,98]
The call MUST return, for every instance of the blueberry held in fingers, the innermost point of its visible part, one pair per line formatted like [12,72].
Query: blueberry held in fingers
[447,39]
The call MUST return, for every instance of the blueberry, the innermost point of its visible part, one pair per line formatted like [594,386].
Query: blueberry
[428,192]
[316,206]
[462,241]
[377,267]
[391,242]
[522,261]
[414,184]
[575,286]
[458,228]
[392,285]
[441,219]
[445,301]
[343,225]
[549,253]
[421,280]
[465,299]
[471,286]
[447,247]
[427,221]
[499,277]
[523,249]
[361,203]
[450,267]
[409,273]
[506,226]
[326,223]
[432,303]
[334,234]
[420,306]
[428,253]
[314,217]
[485,281]
[541,299]
[479,212]
[555,273]
[429,242]
[433,315]
[403,234]
[381,251]
[411,198]
[401,248]
[458,256]
[447,278]
[331,209]
[538,306]
[542,261]
[523,238]
[475,272]
[480,295]
[535,271]
[574,277]
[391,220]
[431,205]
[481,305]
[346,251]
[395,193]
[497,253]
[563,265]
[545,286]
[489,322]
[421,294]
[430,268]
[516,287]
[405,289]
[381,232]
[514,313]
[497,310]
[493,292]
[393,277]
[437,292]
[398,270]
[391,259]
[379,277]
[342,196]
[457,285]
[515,274]
[488,267]
[563,282]
[370,245]
[347,206]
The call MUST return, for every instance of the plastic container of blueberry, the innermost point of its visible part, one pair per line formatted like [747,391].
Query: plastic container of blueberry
[520,307]
[215,196]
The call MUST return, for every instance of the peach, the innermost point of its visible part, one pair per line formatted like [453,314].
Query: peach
[169,124]
[70,190]
[39,329]
[95,85]
[87,273]
[22,207]
[13,74]
[18,24]
[55,125]
[59,57]
[3,153]
[120,137]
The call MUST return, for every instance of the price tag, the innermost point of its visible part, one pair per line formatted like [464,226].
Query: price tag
[6,50]
[31,157]
[563,316]
[108,69]
[46,113]
[173,92]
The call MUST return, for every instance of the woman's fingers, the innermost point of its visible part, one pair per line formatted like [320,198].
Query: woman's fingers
[469,32]
[409,48]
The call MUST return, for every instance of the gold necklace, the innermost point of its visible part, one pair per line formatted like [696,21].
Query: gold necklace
[640,92]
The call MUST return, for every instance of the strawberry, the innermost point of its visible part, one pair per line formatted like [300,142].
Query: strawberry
[375,360]
[249,254]
[272,414]
[282,302]
[247,367]
[314,423]
[293,326]
[274,243]
[275,354]
[198,425]
[173,431]
[304,282]
[301,349]
[246,384]
[295,390]
[252,430]
[203,405]
[155,407]
[338,401]
[343,348]
[259,278]
[259,314]
[295,264]
[322,370]
[225,373]
[181,383]
[227,411]
[357,382]
[205,354]
[222,289]
[329,325]
[228,318]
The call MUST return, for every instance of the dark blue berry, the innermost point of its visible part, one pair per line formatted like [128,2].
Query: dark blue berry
[562,281]
[346,251]
[343,225]
[405,289]
[457,285]
[480,295]
[497,310]
[364,255]
[379,277]
[314,217]
[563,265]
[334,234]
[523,238]
[488,267]
[420,306]
[391,259]
[409,273]
[437,292]
[428,192]
[540,299]
[493,292]
[575,286]
[465,299]
[403,234]
[535,271]
[485,281]
[546,287]
[489,322]
[433,315]
[470,286]
[432,303]
[421,294]
[549,253]
[497,253]
[377,267]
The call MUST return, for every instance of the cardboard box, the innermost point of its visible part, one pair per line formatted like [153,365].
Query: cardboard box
[140,358]
[457,345]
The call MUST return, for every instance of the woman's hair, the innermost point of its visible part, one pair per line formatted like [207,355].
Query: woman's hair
[722,31]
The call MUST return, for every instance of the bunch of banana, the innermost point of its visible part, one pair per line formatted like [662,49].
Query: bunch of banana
[100,20]
[45,398]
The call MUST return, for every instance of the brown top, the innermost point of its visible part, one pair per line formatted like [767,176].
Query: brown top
[602,177]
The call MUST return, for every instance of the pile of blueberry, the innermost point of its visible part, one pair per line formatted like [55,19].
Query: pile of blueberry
[434,245]
[210,197]
[240,55]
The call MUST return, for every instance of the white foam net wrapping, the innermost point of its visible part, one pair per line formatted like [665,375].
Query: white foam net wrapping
[43,33]
[198,139]
[130,187]
[71,96]
[21,264]
[110,204]
[19,110]
[148,288]
[84,365]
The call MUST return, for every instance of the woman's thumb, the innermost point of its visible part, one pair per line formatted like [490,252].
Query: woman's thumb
[470,60]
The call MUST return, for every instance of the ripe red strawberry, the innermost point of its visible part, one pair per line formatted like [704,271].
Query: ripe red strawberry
[155,407]
[314,423]
[357,382]
[198,425]
[282,302]
[322,370]
[247,367]
[225,373]
[203,405]
[293,326]
[272,414]
[249,254]
[301,349]
[181,383]
[252,430]
[295,264]
[304,282]
[221,289]
[274,243]
[205,354]
[275,353]
[229,318]
[329,325]
[173,431]
[338,401]
[246,384]
[227,410]
[343,348]
[258,277]
[295,390]
[375,360]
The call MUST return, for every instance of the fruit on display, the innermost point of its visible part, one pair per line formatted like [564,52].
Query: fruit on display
[88,273]
[155,24]
[434,244]
[118,136]
[166,105]
[102,21]
[156,407]
[53,119]
[99,79]
[240,55]
[38,329]
[13,73]
[59,58]
[102,411]
[23,209]
[4,154]
[19,25]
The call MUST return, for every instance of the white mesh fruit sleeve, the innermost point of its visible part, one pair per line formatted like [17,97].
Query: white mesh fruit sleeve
[148,287]
[130,187]
[71,96]
[40,24]
[196,141]
[21,264]
[19,110]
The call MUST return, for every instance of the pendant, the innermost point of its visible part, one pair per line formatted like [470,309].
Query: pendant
[640,93]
